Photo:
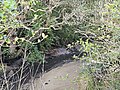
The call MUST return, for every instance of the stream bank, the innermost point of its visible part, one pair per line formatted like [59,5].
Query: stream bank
[63,77]
[36,70]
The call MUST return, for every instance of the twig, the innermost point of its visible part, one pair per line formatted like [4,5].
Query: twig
[3,68]
[21,74]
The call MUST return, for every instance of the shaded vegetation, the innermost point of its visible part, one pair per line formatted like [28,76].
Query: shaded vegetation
[30,28]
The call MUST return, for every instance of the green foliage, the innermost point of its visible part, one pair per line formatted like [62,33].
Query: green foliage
[33,27]
[33,23]
[14,32]
[102,45]
[35,55]
[52,18]
[8,24]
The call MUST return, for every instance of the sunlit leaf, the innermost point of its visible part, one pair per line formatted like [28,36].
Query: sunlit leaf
[16,39]
[8,41]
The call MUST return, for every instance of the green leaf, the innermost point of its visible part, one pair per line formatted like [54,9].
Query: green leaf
[8,41]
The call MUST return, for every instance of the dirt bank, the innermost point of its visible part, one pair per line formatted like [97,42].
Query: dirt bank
[60,78]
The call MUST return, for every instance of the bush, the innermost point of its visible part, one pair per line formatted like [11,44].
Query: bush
[33,23]
[102,35]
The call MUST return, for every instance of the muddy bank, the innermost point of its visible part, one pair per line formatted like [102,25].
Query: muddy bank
[63,77]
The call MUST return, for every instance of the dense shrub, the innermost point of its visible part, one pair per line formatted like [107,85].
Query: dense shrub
[33,25]
[101,29]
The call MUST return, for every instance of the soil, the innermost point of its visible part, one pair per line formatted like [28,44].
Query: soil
[60,78]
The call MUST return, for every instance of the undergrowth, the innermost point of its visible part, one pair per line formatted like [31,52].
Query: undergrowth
[29,28]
